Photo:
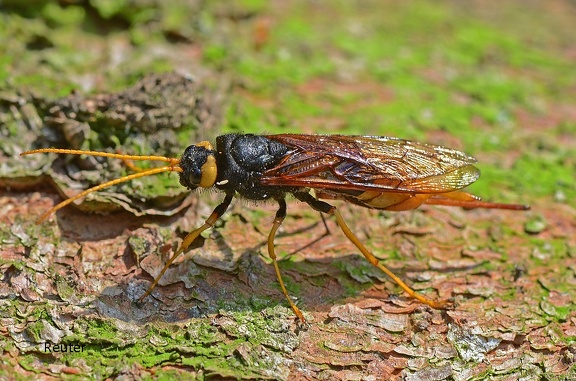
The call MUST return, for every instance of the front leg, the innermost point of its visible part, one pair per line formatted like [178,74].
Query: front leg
[210,221]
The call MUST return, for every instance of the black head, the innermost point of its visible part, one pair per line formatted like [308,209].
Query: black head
[198,165]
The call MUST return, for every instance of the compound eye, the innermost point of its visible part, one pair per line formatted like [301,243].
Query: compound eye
[195,177]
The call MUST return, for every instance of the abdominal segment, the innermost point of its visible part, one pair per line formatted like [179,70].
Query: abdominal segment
[395,201]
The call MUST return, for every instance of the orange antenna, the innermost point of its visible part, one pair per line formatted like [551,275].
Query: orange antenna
[174,166]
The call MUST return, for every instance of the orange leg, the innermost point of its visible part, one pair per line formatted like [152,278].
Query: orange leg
[280,215]
[210,221]
[329,209]
[374,261]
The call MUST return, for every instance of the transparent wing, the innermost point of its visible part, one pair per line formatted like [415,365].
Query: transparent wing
[370,163]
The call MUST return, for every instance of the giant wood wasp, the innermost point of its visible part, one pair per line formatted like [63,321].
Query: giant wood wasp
[371,171]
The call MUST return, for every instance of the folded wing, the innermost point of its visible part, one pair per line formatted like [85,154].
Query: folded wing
[342,162]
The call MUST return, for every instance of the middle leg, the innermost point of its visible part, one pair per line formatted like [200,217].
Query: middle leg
[280,215]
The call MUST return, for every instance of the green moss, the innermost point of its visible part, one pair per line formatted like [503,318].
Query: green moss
[60,16]
[536,224]
[65,290]
[203,346]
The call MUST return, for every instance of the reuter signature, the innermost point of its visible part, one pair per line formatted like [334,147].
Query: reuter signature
[64,348]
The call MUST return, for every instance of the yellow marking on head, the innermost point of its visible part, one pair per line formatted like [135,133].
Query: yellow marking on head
[209,172]
[206,145]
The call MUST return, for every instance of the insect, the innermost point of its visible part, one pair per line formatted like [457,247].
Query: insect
[370,171]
